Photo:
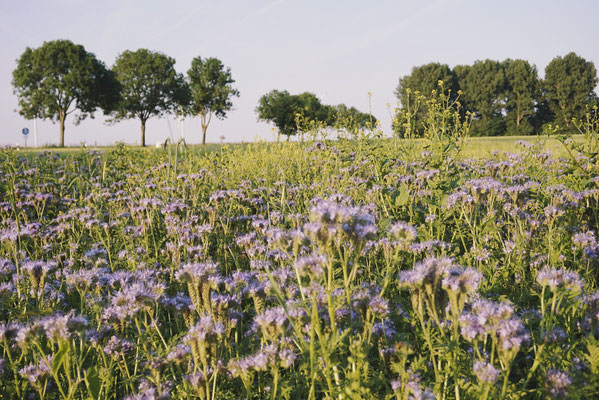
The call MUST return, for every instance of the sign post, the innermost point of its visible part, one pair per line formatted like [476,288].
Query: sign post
[25,132]
[35,132]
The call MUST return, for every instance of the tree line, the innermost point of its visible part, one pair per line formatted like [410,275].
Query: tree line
[505,97]
[304,112]
[61,78]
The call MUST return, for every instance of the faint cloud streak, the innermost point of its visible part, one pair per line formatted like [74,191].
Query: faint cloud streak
[180,22]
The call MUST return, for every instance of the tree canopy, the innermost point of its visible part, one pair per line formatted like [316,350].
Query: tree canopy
[59,78]
[288,112]
[483,86]
[421,82]
[424,79]
[521,95]
[211,88]
[507,96]
[150,87]
[569,86]
[280,108]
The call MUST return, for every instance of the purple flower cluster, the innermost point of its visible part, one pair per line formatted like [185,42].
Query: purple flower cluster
[205,331]
[336,216]
[272,322]
[36,374]
[487,317]
[485,372]
[560,278]
[312,265]
[557,383]
[443,270]
[270,356]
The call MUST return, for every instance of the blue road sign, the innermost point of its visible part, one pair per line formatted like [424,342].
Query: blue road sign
[25,131]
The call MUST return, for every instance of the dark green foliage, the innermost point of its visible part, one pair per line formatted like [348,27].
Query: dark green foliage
[425,79]
[280,108]
[211,90]
[150,87]
[59,78]
[569,86]
[522,93]
[293,113]
[422,82]
[503,98]
[484,86]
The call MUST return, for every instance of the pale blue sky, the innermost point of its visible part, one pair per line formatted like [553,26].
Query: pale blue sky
[339,50]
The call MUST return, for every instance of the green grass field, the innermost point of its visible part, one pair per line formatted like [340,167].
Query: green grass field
[476,147]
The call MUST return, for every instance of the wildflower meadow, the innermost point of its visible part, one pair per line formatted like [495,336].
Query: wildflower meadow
[317,269]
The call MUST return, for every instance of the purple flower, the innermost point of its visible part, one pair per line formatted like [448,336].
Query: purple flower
[403,232]
[429,246]
[464,280]
[198,273]
[485,372]
[6,267]
[286,358]
[178,354]
[205,331]
[35,374]
[587,242]
[133,298]
[272,322]
[412,389]
[560,278]
[62,327]
[425,273]
[511,334]
[148,392]
[557,383]
[118,347]
[38,269]
[336,215]
[384,329]
[312,265]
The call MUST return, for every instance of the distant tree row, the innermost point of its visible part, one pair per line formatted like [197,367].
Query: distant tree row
[294,113]
[61,78]
[507,97]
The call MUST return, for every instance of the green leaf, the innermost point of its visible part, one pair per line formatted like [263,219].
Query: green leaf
[59,357]
[592,357]
[404,196]
[92,381]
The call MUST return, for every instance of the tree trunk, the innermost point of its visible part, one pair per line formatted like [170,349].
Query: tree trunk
[62,118]
[205,118]
[143,133]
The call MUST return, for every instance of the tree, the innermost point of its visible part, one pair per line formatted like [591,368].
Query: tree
[279,107]
[413,90]
[211,91]
[484,85]
[521,95]
[569,86]
[150,87]
[290,112]
[351,119]
[284,110]
[425,79]
[59,78]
